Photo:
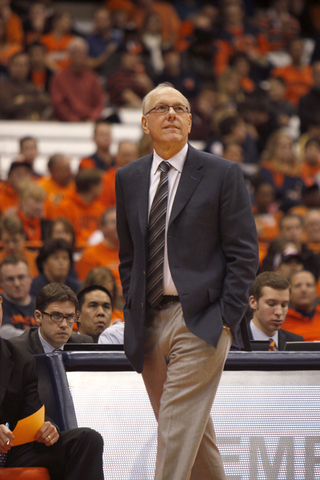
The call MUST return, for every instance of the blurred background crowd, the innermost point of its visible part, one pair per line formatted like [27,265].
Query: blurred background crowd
[251,71]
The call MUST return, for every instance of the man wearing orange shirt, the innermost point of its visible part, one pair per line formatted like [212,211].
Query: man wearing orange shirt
[297,76]
[106,252]
[19,172]
[13,24]
[303,317]
[127,152]
[12,238]
[102,157]
[83,206]
[60,181]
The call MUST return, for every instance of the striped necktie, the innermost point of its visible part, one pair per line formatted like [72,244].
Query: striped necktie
[156,239]
[272,345]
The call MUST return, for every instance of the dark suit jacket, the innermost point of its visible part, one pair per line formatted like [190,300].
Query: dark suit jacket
[18,384]
[212,246]
[283,337]
[30,341]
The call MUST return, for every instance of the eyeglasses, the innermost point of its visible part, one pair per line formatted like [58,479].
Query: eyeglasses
[163,109]
[58,317]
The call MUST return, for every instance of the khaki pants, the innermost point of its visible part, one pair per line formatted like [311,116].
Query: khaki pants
[181,373]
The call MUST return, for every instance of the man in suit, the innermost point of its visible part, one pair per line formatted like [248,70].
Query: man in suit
[68,455]
[56,311]
[269,301]
[185,275]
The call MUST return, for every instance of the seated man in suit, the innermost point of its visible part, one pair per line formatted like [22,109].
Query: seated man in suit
[68,455]
[56,312]
[95,306]
[269,300]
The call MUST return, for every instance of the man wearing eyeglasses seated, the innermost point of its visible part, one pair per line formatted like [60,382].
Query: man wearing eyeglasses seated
[56,312]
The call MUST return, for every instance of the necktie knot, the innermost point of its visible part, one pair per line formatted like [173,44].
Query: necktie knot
[164,167]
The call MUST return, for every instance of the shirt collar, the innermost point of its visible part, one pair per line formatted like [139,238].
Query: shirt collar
[177,161]
[260,335]
[46,346]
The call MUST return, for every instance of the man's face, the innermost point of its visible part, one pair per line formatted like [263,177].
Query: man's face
[102,136]
[109,228]
[291,229]
[16,281]
[56,333]
[33,207]
[270,310]
[12,243]
[312,226]
[19,68]
[18,175]
[95,315]
[29,150]
[170,128]
[57,266]
[127,152]
[61,171]
[303,291]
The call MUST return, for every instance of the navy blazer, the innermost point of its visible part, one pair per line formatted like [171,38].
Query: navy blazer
[212,246]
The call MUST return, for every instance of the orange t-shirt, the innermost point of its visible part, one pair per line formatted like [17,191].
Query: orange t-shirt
[58,49]
[96,256]
[14,30]
[84,217]
[108,195]
[298,81]
[295,322]
[55,192]
[30,257]
[9,198]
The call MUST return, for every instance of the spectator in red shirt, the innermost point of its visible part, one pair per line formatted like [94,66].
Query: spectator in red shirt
[76,92]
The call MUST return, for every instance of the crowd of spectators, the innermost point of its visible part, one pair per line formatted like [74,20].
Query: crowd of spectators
[252,75]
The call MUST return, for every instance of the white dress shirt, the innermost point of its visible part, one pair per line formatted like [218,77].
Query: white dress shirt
[258,334]
[174,175]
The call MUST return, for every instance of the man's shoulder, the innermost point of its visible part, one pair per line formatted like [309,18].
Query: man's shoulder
[290,336]
[134,165]
[80,338]
[26,341]
[209,158]
[20,356]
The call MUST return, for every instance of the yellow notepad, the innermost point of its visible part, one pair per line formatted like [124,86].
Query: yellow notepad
[27,428]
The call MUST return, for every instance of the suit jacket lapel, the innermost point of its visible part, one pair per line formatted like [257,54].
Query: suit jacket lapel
[6,367]
[191,177]
[142,186]
[35,342]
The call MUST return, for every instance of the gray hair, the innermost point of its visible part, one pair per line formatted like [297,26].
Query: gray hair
[146,99]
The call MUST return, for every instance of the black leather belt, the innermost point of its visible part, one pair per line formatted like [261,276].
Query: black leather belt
[167,300]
